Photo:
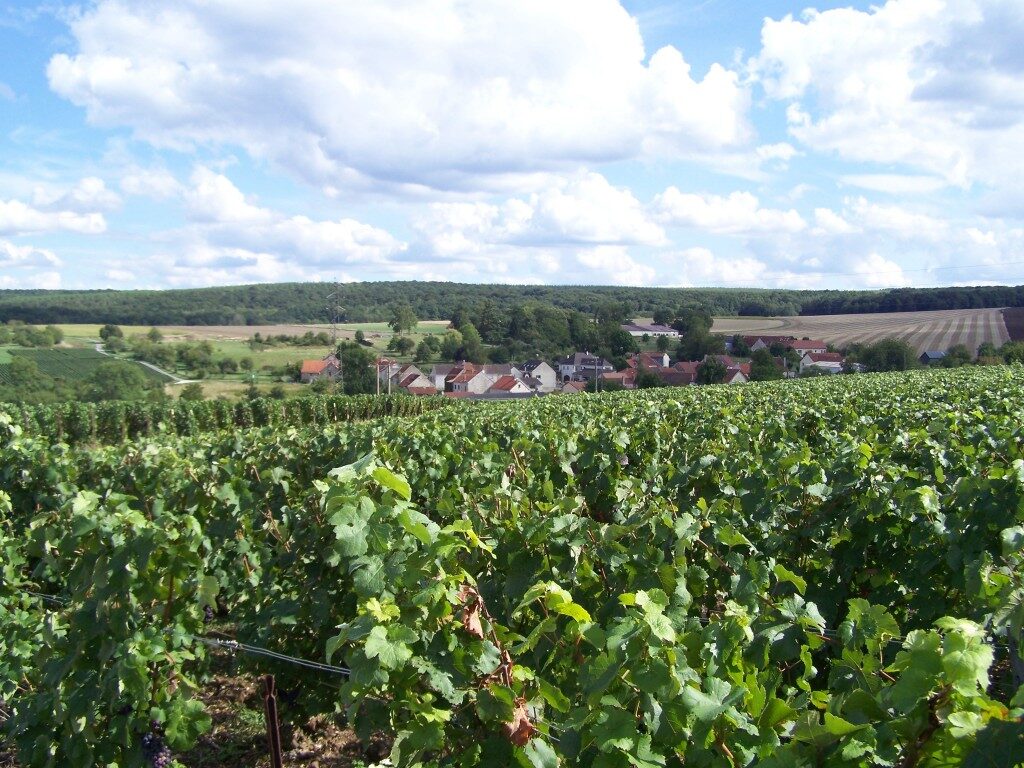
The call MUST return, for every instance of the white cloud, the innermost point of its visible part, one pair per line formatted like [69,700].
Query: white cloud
[25,266]
[25,256]
[6,92]
[894,184]
[440,93]
[935,85]
[88,195]
[613,264]
[738,214]
[581,210]
[831,223]
[875,271]
[155,183]
[223,218]
[17,218]
[896,220]
[700,266]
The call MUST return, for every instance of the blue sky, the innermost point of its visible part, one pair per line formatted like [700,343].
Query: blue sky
[715,142]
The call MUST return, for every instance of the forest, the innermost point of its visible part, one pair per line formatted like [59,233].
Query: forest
[372,301]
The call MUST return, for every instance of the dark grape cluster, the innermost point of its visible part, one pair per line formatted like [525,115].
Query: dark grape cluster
[207,614]
[155,752]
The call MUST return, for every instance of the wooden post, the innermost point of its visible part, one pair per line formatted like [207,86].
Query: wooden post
[273,725]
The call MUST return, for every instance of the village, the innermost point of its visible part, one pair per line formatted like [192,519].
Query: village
[584,371]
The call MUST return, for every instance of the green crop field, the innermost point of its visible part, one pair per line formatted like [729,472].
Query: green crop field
[73,364]
[824,572]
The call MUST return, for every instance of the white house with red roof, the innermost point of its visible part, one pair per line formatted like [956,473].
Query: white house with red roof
[328,368]
[830,362]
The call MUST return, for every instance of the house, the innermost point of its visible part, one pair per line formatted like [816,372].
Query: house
[764,342]
[468,378]
[573,387]
[509,385]
[639,330]
[676,378]
[831,362]
[683,373]
[501,369]
[440,373]
[735,376]
[421,391]
[416,381]
[403,372]
[803,346]
[650,361]
[583,365]
[625,378]
[328,368]
[931,357]
[544,373]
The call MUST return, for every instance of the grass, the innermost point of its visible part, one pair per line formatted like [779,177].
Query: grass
[5,354]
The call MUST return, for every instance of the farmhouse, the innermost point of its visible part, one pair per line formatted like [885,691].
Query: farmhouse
[583,365]
[803,346]
[542,372]
[509,385]
[328,368]
[831,362]
[639,330]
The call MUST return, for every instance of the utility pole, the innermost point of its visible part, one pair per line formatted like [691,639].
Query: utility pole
[335,312]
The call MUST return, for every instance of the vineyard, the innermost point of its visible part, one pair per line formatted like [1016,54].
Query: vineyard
[71,364]
[803,573]
[117,421]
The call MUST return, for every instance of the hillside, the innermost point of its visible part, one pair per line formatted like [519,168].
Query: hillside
[370,302]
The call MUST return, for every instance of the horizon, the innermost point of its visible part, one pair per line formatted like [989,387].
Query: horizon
[581,143]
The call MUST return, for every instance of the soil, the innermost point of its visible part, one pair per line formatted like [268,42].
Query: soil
[1014,319]
[238,736]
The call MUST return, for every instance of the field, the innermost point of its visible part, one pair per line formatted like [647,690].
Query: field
[70,363]
[820,572]
[922,330]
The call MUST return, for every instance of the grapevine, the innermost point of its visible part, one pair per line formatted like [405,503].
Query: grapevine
[800,573]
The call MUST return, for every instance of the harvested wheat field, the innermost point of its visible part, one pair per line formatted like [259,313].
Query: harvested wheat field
[923,330]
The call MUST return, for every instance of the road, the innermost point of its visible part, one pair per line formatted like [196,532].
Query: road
[174,378]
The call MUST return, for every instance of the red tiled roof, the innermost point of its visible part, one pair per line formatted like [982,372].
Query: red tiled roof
[313,366]
[426,391]
[824,357]
[687,367]
[505,383]
[408,380]
[463,374]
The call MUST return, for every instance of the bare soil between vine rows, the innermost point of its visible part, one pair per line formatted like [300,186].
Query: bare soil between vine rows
[239,738]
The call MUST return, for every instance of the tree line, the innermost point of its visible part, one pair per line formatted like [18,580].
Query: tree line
[373,302]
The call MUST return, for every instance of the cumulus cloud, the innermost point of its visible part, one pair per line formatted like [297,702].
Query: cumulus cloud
[155,183]
[875,271]
[247,233]
[935,85]
[584,209]
[88,195]
[700,266]
[738,214]
[613,264]
[25,266]
[18,218]
[440,93]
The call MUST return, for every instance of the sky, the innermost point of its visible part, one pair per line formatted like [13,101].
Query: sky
[146,144]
